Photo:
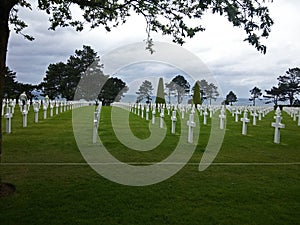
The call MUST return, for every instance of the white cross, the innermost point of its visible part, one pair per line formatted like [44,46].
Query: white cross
[173,119]
[138,109]
[24,113]
[162,115]
[45,111]
[237,112]
[210,112]
[205,114]
[153,115]
[191,124]
[182,112]
[36,112]
[142,111]
[147,112]
[245,120]
[254,115]
[277,125]
[8,117]
[222,117]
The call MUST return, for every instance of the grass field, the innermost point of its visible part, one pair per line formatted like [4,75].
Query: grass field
[56,186]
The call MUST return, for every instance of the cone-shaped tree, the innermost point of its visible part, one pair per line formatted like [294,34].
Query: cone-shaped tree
[196,94]
[230,98]
[160,95]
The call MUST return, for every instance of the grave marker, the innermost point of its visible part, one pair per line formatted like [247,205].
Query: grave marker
[173,119]
[277,125]
[237,112]
[205,114]
[162,115]
[254,115]
[191,124]
[222,117]
[25,113]
[245,121]
[36,111]
[153,115]
[8,117]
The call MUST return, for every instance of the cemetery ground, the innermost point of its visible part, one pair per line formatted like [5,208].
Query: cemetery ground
[252,180]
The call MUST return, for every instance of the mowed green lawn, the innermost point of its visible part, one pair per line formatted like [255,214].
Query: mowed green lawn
[259,185]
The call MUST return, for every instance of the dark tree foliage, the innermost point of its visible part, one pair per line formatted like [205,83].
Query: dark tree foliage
[13,88]
[197,94]
[145,92]
[112,91]
[52,82]
[169,17]
[208,90]
[289,84]
[274,95]
[180,86]
[231,97]
[11,85]
[160,95]
[255,93]
[62,79]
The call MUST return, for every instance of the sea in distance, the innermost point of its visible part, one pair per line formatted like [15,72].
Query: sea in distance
[240,102]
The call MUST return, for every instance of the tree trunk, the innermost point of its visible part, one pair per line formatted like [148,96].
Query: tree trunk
[5,7]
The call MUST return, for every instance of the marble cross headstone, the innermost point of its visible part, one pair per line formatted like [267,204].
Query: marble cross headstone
[222,117]
[25,113]
[95,128]
[147,112]
[210,112]
[245,120]
[162,115]
[205,114]
[56,107]
[8,117]
[51,108]
[142,111]
[237,112]
[153,115]
[191,124]
[182,112]
[259,114]
[173,119]
[36,111]
[254,115]
[45,106]
[277,125]
[138,109]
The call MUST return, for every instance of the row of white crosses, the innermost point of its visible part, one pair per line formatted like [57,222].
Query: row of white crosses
[25,104]
[160,108]
[277,124]
[257,113]
[294,113]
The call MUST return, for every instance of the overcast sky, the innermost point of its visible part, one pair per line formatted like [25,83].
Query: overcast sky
[235,64]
